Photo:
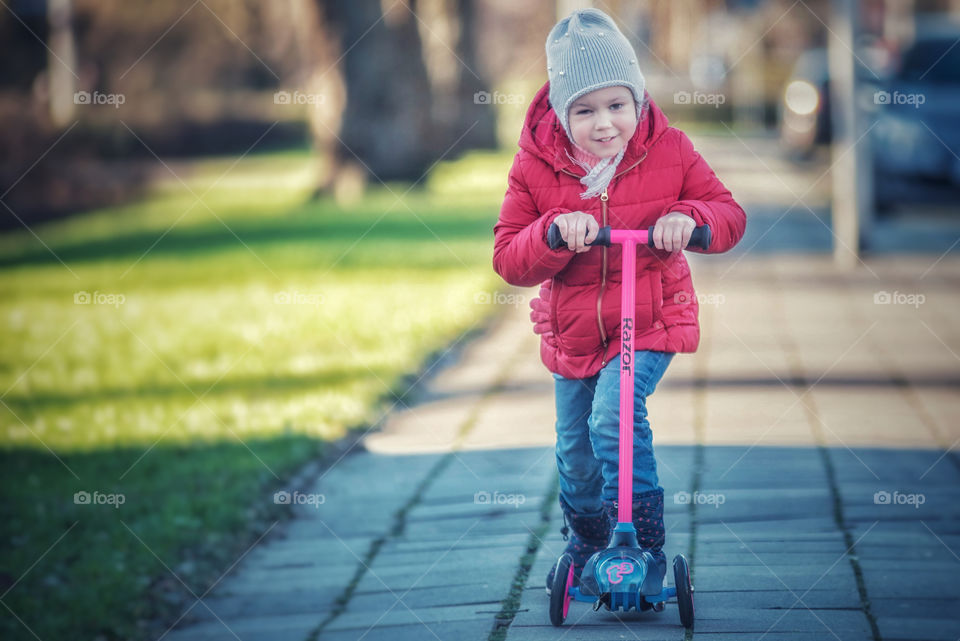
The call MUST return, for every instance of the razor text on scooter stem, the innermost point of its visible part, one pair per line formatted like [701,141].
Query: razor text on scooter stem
[626,344]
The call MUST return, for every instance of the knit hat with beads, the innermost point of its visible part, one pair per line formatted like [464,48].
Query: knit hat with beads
[586,52]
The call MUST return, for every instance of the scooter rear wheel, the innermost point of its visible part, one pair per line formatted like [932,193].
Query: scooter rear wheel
[681,579]
[560,590]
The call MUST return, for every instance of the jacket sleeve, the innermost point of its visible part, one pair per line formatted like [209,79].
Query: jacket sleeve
[704,198]
[520,252]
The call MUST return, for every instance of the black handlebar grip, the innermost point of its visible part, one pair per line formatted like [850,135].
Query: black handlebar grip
[555,240]
[699,239]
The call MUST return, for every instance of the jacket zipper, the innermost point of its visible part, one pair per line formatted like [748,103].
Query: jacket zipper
[603,282]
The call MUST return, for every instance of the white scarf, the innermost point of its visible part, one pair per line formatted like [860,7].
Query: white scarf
[599,176]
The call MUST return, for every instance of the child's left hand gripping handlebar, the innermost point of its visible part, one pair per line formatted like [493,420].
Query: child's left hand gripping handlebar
[700,238]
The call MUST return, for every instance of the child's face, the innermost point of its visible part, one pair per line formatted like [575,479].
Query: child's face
[603,121]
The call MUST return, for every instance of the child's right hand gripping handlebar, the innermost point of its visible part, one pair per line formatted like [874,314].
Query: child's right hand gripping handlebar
[700,238]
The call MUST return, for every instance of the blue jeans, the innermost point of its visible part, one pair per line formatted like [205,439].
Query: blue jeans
[588,432]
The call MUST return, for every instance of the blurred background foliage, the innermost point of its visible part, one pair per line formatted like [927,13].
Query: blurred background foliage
[385,88]
[377,90]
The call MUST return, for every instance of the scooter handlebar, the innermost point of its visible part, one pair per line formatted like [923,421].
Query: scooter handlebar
[699,239]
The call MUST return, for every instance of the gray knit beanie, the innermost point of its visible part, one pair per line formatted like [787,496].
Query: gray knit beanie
[586,52]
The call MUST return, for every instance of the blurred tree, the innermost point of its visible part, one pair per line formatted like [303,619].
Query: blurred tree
[473,125]
[386,120]
[409,92]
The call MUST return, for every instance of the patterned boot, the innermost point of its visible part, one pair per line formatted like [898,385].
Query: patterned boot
[648,521]
[588,534]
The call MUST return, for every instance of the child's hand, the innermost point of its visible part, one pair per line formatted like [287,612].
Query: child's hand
[673,231]
[577,229]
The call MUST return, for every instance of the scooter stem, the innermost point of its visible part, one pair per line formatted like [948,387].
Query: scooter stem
[627,297]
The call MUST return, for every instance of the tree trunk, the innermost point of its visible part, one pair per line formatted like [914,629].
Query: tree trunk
[386,126]
[475,125]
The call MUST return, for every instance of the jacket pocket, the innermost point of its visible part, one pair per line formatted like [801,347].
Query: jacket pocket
[574,319]
[678,300]
[656,294]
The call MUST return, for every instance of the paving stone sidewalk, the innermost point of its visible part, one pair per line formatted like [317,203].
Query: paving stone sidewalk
[807,453]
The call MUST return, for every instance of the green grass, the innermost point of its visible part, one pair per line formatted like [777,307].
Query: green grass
[227,340]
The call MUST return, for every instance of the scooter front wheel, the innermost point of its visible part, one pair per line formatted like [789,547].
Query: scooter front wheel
[560,590]
[681,579]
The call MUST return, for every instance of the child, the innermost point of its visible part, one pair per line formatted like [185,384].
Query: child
[595,150]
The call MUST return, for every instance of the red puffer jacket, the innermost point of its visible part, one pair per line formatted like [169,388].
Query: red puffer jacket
[660,173]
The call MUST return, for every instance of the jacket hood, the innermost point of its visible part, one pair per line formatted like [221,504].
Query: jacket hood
[544,137]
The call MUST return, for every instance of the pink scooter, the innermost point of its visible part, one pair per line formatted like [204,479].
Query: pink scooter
[619,577]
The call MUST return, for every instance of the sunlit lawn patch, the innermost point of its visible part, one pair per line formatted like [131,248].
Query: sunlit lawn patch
[192,353]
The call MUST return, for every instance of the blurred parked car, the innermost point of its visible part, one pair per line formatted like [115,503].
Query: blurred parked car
[805,110]
[916,140]
[805,120]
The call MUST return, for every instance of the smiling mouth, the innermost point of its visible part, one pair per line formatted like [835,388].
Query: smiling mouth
[607,139]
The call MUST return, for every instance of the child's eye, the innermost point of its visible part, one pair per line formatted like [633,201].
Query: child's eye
[617,106]
[582,112]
